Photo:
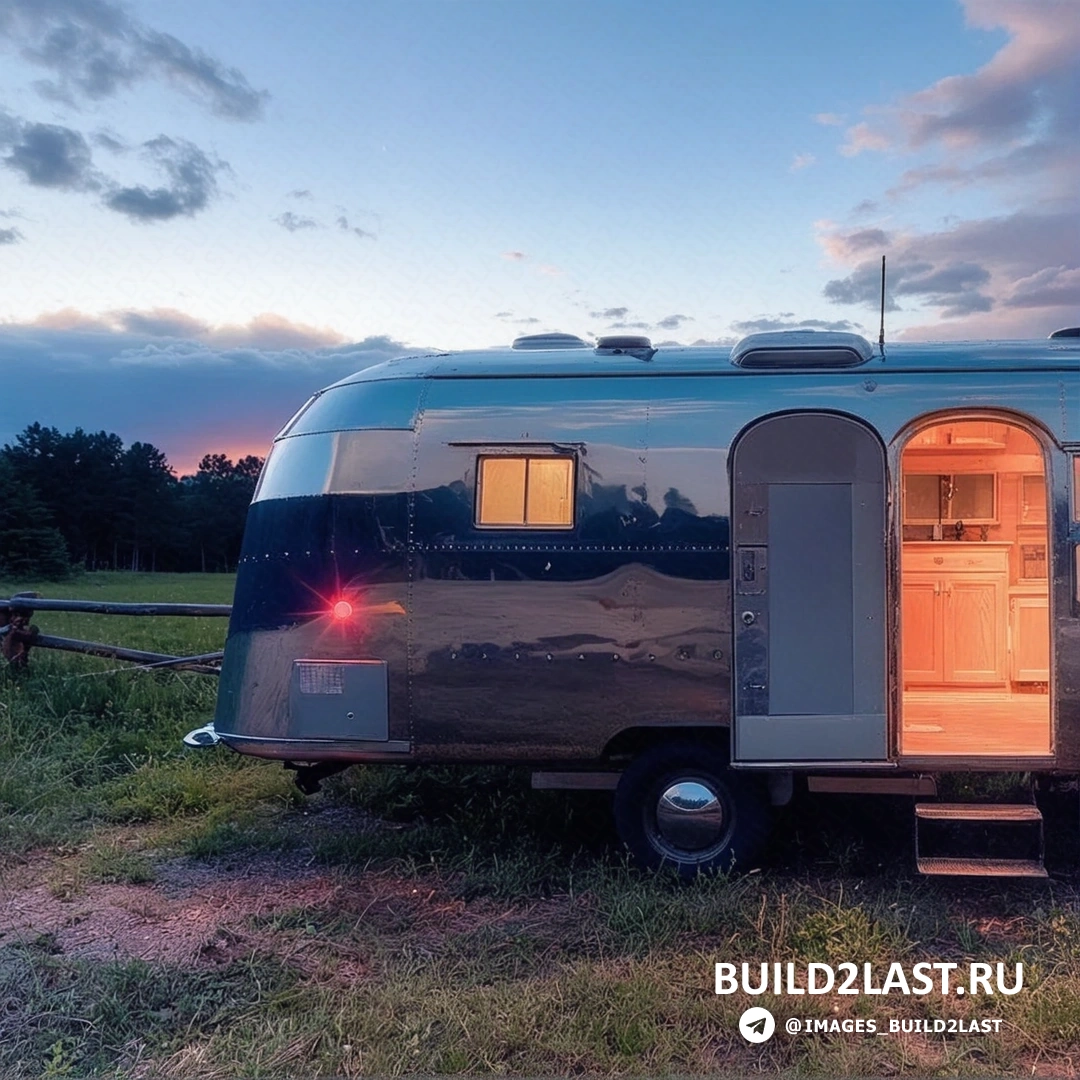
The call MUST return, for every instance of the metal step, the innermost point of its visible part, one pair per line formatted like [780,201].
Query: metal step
[978,812]
[1026,868]
[872,785]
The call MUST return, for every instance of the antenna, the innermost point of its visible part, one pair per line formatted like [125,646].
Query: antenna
[881,335]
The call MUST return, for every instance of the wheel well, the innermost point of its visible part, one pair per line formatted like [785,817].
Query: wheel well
[630,742]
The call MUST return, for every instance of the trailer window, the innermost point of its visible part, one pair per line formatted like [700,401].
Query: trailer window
[932,498]
[1076,487]
[525,492]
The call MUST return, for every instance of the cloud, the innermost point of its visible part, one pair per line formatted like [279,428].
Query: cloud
[528,321]
[10,236]
[193,183]
[549,270]
[514,256]
[829,119]
[1007,129]
[843,245]
[265,331]
[300,193]
[673,322]
[1031,83]
[629,326]
[49,155]
[953,288]
[973,267]
[503,314]
[867,206]
[862,137]
[159,322]
[69,319]
[787,321]
[58,157]
[1053,287]
[611,313]
[343,224]
[95,49]
[1015,116]
[109,140]
[178,392]
[269,331]
[802,161]
[294,222]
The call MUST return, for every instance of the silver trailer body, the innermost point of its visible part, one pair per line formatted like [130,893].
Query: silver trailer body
[732,561]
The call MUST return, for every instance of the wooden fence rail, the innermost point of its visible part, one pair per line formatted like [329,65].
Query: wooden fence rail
[98,607]
[17,635]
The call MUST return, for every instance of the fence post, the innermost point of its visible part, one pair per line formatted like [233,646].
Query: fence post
[17,633]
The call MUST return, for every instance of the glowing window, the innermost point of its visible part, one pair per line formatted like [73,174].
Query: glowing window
[525,492]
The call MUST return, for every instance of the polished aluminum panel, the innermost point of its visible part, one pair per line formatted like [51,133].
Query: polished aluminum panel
[331,699]
[337,462]
[505,645]
[391,403]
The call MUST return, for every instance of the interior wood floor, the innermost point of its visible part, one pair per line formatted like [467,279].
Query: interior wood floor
[953,722]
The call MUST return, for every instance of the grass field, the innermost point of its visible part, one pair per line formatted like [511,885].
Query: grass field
[172,913]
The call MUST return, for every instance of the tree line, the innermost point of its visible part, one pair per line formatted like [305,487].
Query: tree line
[84,500]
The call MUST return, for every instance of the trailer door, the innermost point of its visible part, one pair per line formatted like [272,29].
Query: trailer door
[808,587]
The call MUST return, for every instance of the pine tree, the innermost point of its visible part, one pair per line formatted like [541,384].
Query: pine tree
[30,545]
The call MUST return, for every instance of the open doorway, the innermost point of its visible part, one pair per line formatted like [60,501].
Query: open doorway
[975,656]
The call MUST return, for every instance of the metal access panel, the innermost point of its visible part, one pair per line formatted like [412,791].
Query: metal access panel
[339,699]
[809,587]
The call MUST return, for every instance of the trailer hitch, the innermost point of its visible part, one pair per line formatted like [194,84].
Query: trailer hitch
[309,778]
[202,737]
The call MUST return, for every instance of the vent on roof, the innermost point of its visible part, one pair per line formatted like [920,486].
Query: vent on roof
[549,341]
[1067,331]
[802,349]
[631,344]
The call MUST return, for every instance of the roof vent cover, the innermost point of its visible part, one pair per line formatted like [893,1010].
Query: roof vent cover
[631,344]
[549,341]
[802,349]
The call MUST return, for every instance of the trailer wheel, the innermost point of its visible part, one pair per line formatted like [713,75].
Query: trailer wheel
[679,805]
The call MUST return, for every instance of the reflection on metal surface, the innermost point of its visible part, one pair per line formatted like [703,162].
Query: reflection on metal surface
[690,816]
[483,658]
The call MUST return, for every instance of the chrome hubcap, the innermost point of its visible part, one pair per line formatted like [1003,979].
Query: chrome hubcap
[690,815]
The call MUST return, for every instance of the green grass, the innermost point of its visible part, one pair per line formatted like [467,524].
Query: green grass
[475,927]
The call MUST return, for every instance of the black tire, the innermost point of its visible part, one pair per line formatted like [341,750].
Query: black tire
[688,832]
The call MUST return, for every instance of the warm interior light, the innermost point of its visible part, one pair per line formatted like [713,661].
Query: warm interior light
[342,609]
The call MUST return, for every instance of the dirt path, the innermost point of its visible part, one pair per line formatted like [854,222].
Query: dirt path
[213,912]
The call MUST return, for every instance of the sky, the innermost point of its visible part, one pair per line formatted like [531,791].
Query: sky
[208,211]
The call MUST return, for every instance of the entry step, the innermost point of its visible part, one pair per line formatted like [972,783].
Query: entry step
[979,839]
[1026,868]
[978,812]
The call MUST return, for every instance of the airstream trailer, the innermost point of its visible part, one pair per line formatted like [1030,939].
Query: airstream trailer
[694,576]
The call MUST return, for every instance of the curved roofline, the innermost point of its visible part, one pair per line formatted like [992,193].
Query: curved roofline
[1061,354]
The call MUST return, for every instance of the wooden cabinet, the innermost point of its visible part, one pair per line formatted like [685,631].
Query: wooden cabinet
[924,654]
[955,614]
[974,629]
[1029,632]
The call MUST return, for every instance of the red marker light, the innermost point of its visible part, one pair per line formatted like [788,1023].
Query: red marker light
[343,610]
